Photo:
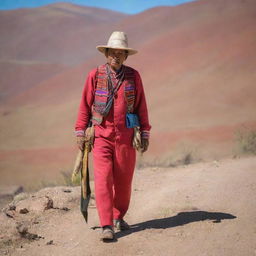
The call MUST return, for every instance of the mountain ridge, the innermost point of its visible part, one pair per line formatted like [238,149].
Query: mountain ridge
[197,64]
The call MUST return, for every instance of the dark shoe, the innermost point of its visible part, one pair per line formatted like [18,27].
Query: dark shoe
[107,234]
[121,225]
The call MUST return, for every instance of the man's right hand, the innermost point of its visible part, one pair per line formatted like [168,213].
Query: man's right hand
[80,140]
[144,145]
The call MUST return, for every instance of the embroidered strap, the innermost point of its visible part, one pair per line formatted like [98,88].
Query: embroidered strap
[129,90]
[113,89]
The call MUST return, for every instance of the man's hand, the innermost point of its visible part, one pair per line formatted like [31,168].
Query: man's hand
[89,135]
[80,140]
[144,145]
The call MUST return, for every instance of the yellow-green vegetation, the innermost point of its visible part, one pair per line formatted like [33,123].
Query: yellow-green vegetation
[182,154]
[165,212]
[246,141]
[65,180]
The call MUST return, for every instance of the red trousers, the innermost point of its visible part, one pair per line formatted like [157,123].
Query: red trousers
[114,162]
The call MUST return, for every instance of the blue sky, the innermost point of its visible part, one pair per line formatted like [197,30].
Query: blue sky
[126,6]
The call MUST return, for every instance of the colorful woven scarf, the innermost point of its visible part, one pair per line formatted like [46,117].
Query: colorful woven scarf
[106,89]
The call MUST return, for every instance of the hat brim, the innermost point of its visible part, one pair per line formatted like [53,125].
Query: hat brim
[102,49]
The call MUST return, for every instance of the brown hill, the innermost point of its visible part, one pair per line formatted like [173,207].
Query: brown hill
[62,33]
[203,66]
[197,62]
[19,76]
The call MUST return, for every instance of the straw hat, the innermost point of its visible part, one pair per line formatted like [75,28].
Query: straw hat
[117,40]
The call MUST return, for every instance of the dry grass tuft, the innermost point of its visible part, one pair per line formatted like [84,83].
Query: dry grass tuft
[183,154]
[246,141]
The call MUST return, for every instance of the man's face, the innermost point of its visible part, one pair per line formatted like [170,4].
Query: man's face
[116,57]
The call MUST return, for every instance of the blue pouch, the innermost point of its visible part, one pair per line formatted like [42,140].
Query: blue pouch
[132,120]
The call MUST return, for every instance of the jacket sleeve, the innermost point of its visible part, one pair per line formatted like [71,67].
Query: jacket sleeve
[140,107]
[84,112]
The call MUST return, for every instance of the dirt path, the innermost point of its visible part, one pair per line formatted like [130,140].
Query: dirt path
[201,209]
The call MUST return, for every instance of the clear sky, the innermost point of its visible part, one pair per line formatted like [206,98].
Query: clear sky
[126,6]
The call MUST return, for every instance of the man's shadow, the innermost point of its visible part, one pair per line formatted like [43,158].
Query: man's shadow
[180,219]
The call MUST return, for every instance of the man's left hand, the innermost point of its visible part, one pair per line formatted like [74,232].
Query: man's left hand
[144,145]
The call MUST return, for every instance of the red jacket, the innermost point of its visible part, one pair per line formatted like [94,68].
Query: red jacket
[116,116]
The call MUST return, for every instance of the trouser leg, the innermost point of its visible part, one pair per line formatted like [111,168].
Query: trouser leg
[123,169]
[103,179]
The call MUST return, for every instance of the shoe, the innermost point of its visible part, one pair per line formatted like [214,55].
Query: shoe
[121,225]
[107,234]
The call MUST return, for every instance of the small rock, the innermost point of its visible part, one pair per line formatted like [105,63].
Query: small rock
[23,231]
[62,208]
[12,207]
[50,242]
[65,209]
[24,211]
[49,204]
[67,190]
[10,211]
[31,236]
[9,214]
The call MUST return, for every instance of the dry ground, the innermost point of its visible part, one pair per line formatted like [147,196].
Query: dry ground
[200,209]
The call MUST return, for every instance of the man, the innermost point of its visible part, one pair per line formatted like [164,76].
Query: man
[111,91]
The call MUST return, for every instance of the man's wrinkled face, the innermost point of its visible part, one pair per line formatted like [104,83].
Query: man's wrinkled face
[116,57]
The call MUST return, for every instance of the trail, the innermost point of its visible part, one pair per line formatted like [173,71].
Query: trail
[199,209]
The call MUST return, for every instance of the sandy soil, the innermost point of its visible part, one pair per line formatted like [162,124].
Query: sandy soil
[200,209]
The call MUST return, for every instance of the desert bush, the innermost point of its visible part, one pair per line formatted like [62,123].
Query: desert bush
[37,185]
[64,180]
[182,154]
[246,141]
[66,175]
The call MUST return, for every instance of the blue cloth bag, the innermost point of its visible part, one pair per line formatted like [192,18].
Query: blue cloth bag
[132,120]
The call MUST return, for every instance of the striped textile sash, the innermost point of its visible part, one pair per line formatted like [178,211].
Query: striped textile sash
[106,89]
